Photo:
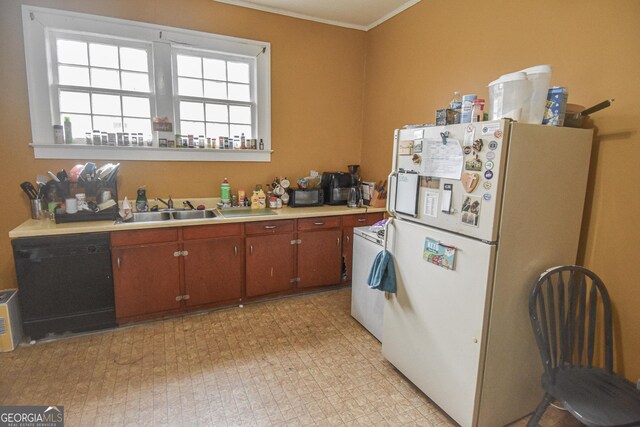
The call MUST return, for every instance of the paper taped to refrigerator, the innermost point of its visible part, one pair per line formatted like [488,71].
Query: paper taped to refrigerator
[442,160]
[431,203]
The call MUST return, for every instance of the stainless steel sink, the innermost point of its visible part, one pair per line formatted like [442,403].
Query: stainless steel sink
[151,216]
[240,212]
[193,214]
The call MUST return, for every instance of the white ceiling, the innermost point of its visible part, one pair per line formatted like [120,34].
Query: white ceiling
[358,14]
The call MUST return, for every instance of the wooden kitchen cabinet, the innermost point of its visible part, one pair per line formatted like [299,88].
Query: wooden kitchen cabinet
[168,270]
[349,222]
[213,264]
[319,258]
[146,273]
[319,251]
[146,280]
[270,257]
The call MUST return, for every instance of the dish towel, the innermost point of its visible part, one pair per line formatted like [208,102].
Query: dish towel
[383,273]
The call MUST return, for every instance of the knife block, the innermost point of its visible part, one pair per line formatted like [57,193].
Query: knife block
[376,200]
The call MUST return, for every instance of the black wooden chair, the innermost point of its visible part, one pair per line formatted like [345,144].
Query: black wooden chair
[570,313]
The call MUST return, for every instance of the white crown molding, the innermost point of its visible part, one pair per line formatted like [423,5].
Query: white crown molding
[278,11]
[291,14]
[391,14]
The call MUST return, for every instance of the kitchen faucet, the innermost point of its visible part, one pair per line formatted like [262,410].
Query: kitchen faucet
[168,203]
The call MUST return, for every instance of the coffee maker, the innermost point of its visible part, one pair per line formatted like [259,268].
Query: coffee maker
[342,188]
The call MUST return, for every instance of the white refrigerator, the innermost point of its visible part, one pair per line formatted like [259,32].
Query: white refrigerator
[480,210]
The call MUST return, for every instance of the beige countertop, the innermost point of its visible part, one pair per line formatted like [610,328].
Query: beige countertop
[35,228]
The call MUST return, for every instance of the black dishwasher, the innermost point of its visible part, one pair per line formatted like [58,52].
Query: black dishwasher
[65,283]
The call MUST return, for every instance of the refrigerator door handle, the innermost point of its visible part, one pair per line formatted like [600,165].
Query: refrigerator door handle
[386,233]
[390,209]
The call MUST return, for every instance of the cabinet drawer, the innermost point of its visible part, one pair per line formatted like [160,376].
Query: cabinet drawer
[211,231]
[268,227]
[319,223]
[360,220]
[142,237]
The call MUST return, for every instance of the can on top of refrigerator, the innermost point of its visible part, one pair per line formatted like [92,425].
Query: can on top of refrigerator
[467,106]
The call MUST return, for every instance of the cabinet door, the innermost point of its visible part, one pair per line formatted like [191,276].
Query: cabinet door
[213,270]
[319,258]
[146,280]
[347,254]
[269,264]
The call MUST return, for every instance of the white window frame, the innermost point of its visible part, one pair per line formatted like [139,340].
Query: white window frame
[37,22]
[56,87]
[176,51]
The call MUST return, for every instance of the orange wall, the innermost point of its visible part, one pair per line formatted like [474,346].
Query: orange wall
[417,59]
[414,62]
[316,109]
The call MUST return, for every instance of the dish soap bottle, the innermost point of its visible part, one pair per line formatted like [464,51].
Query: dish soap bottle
[225,192]
[141,200]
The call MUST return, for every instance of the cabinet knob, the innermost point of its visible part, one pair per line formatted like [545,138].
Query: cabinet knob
[270,227]
[338,241]
[177,253]
[362,219]
[346,238]
[250,249]
[235,250]
[318,223]
[118,262]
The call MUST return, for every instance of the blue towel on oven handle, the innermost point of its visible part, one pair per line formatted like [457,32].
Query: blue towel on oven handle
[383,273]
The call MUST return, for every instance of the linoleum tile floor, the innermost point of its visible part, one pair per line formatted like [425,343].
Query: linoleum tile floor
[294,361]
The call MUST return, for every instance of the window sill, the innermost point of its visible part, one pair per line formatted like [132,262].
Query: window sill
[82,152]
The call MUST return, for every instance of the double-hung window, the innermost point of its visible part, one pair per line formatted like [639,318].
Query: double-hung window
[135,91]
[102,84]
[215,94]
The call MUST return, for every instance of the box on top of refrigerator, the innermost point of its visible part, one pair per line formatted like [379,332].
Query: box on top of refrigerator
[556,106]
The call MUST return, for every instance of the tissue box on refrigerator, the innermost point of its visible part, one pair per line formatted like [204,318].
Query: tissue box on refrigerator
[556,106]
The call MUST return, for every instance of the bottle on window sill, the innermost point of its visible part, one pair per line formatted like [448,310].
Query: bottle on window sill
[58,137]
[68,135]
